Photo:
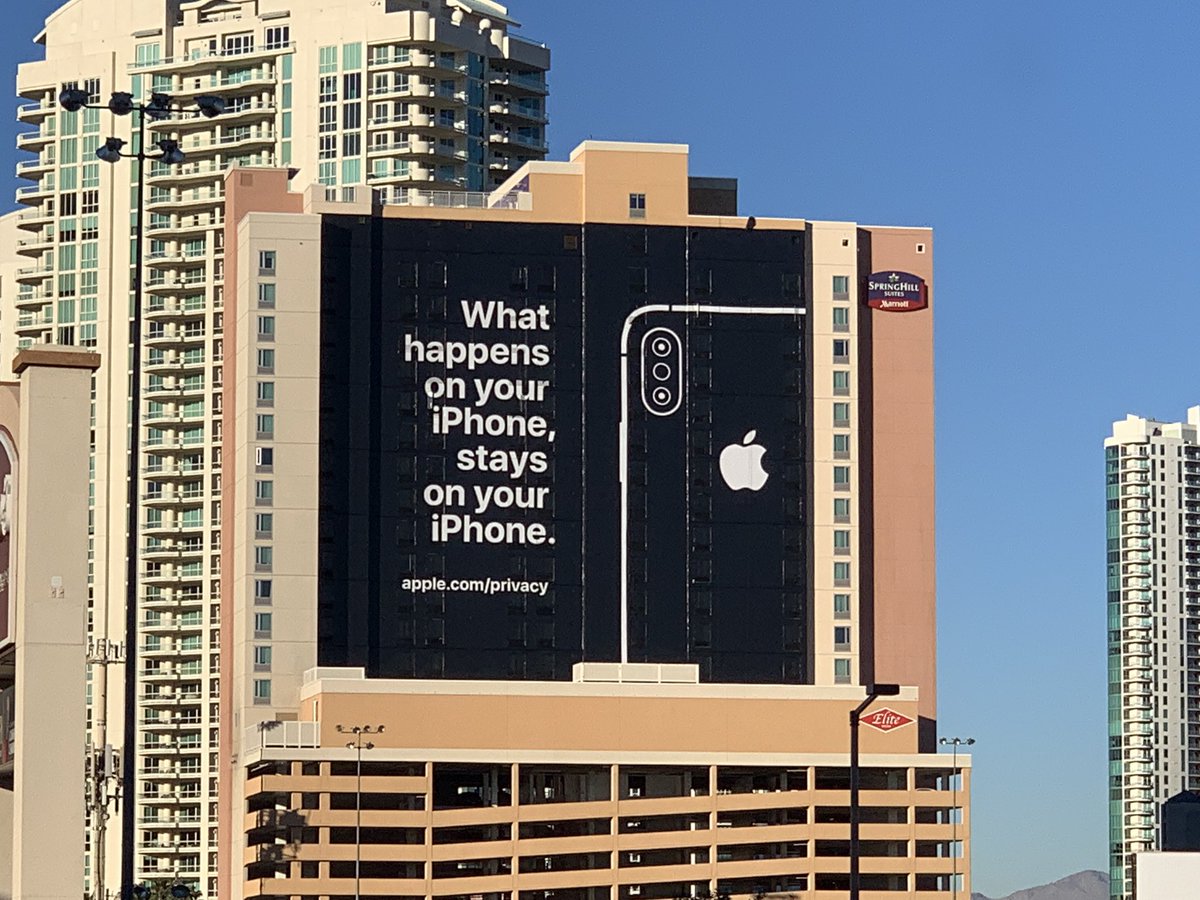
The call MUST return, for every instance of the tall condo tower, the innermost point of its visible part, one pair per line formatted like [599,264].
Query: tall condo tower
[412,98]
[1152,476]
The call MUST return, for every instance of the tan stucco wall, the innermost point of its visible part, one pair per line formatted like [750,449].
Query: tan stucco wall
[901,473]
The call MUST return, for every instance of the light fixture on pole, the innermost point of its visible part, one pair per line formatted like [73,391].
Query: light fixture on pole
[358,745]
[159,106]
[955,743]
[873,691]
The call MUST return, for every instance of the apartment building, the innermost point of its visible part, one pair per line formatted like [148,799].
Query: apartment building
[1152,483]
[629,782]
[409,97]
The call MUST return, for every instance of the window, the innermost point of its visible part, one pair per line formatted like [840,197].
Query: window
[841,671]
[841,574]
[266,393]
[841,606]
[262,690]
[841,476]
[841,414]
[237,44]
[266,362]
[262,659]
[262,621]
[264,523]
[841,350]
[266,262]
[265,426]
[264,492]
[841,540]
[841,287]
[637,206]
[841,509]
[266,328]
[351,56]
[841,318]
[327,57]
[278,36]
[263,557]
[264,457]
[841,383]
[841,637]
[841,446]
[262,596]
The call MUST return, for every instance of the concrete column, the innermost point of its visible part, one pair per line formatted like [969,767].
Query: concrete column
[49,592]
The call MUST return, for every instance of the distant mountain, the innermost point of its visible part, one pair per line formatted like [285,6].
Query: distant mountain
[1080,886]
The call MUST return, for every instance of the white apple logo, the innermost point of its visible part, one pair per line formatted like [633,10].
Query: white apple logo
[741,465]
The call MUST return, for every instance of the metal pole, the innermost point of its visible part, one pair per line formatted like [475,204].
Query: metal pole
[129,754]
[855,886]
[357,816]
[954,822]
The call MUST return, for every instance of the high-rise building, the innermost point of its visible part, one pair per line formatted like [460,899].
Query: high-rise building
[591,416]
[407,96]
[1152,476]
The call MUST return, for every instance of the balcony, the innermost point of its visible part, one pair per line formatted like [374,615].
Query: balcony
[429,63]
[518,112]
[520,82]
[171,495]
[35,112]
[174,335]
[180,201]
[34,168]
[34,219]
[36,245]
[202,61]
[226,85]
[33,274]
[185,225]
[34,322]
[518,142]
[35,193]
[161,309]
[414,90]
[34,141]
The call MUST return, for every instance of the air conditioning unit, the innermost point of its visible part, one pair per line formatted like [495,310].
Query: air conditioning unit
[635,890]
[634,858]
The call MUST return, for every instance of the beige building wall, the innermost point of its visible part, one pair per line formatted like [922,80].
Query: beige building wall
[47,587]
[899,467]
[834,422]
[688,792]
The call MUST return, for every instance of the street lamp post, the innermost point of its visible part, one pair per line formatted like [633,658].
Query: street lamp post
[358,745]
[955,743]
[159,106]
[873,691]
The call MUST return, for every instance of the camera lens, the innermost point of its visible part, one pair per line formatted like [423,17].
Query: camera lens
[661,347]
[661,372]
[662,396]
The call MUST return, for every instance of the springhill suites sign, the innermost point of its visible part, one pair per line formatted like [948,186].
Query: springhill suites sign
[897,292]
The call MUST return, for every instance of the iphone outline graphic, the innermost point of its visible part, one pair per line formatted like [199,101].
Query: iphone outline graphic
[635,355]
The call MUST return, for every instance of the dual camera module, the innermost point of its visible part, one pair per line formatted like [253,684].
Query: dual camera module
[662,371]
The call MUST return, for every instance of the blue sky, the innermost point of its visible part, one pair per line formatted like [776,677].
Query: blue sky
[1053,148]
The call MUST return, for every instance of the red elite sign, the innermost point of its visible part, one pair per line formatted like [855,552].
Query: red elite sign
[886,720]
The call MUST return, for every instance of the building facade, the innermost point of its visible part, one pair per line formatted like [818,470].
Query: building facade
[1152,474]
[352,324]
[409,97]
[627,782]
